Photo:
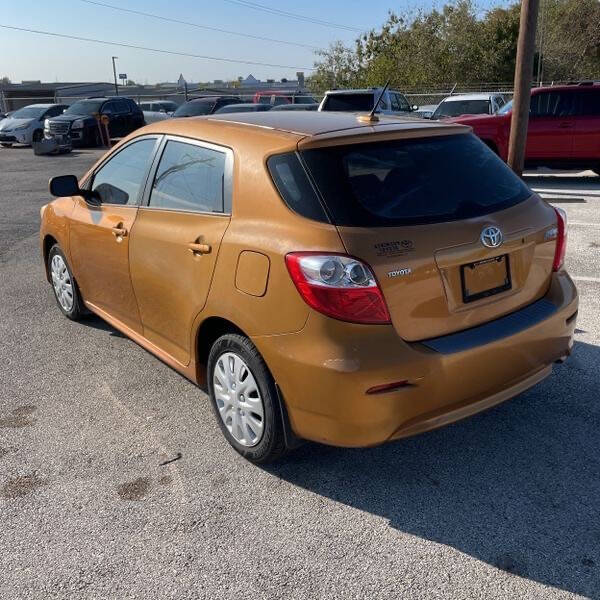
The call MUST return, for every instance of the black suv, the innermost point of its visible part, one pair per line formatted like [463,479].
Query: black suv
[79,123]
[204,106]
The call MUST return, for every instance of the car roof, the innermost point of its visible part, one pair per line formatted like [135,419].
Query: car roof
[212,99]
[360,91]
[284,130]
[42,105]
[478,96]
[572,87]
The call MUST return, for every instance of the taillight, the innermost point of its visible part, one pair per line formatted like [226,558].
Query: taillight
[338,286]
[561,239]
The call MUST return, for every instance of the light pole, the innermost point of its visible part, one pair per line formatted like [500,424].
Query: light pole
[115,75]
[523,79]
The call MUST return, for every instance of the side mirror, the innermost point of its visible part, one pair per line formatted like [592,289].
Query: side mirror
[64,185]
[67,185]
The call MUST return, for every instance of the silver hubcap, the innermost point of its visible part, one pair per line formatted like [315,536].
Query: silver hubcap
[61,281]
[238,399]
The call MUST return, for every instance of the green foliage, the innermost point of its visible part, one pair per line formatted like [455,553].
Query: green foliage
[457,45]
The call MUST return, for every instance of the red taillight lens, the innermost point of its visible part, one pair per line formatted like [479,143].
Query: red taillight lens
[338,286]
[561,239]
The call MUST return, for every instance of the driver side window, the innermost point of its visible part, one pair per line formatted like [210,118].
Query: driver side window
[121,179]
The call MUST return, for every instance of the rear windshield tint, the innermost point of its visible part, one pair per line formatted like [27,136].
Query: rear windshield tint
[349,102]
[413,182]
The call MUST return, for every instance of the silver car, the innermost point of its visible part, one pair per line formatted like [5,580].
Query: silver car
[26,125]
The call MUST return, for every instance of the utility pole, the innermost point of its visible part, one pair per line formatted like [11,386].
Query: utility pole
[523,80]
[115,75]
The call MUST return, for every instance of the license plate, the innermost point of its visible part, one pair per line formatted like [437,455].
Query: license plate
[485,278]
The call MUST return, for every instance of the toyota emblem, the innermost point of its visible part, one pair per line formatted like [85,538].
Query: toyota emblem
[491,237]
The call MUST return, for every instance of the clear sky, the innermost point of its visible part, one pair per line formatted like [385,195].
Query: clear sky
[31,56]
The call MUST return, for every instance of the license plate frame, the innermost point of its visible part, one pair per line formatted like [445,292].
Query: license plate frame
[472,296]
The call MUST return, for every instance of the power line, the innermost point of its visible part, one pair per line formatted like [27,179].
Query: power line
[197,25]
[158,50]
[290,15]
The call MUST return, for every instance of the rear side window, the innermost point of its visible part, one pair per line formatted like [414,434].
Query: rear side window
[413,182]
[190,178]
[294,187]
[349,102]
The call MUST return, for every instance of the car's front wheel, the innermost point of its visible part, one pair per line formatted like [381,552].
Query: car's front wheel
[244,398]
[64,285]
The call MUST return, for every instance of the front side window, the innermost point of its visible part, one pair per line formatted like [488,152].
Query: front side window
[120,180]
[402,102]
[589,103]
[413,182]
[190,178]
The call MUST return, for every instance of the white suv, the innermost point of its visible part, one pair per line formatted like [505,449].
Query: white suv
[26,125]
[392,102]
[469,104]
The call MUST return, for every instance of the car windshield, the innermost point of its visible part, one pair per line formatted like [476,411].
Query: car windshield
[29,112]
[410,182]
[506,108]
[194,109]
[84,107]
[454,108]
[304,100]
[349,102]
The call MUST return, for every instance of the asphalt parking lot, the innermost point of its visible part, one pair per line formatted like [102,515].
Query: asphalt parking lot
[115,481]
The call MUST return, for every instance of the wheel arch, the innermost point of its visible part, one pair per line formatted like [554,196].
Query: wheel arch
[49,241]
[208,332]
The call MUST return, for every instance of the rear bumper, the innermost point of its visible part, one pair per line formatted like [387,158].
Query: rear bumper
[325,370]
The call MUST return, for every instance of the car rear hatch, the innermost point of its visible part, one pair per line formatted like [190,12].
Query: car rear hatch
[454,238]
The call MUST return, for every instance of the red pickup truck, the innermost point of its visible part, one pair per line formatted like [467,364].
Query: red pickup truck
[564,127]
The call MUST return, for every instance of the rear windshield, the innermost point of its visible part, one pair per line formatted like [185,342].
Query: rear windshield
[194,109]
[349,102]
[411,182]
[454,108]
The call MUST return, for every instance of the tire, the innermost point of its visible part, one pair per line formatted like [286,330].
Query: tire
[38,135]
[253,378]
[70,301]
[6,145]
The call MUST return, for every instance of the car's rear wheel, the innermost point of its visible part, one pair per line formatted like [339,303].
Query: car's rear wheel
[64,285]
[244,398]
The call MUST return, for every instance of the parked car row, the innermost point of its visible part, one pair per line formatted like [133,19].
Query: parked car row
[564,126]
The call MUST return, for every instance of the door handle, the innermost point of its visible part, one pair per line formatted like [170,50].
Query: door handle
[119,231]
[197,249]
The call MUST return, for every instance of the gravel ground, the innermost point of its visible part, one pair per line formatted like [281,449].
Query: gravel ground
[502,505]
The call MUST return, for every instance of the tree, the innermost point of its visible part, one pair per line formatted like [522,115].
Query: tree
[455,44]
[338,68]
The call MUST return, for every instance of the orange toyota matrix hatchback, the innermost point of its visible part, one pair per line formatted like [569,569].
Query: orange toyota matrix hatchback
[324,277]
